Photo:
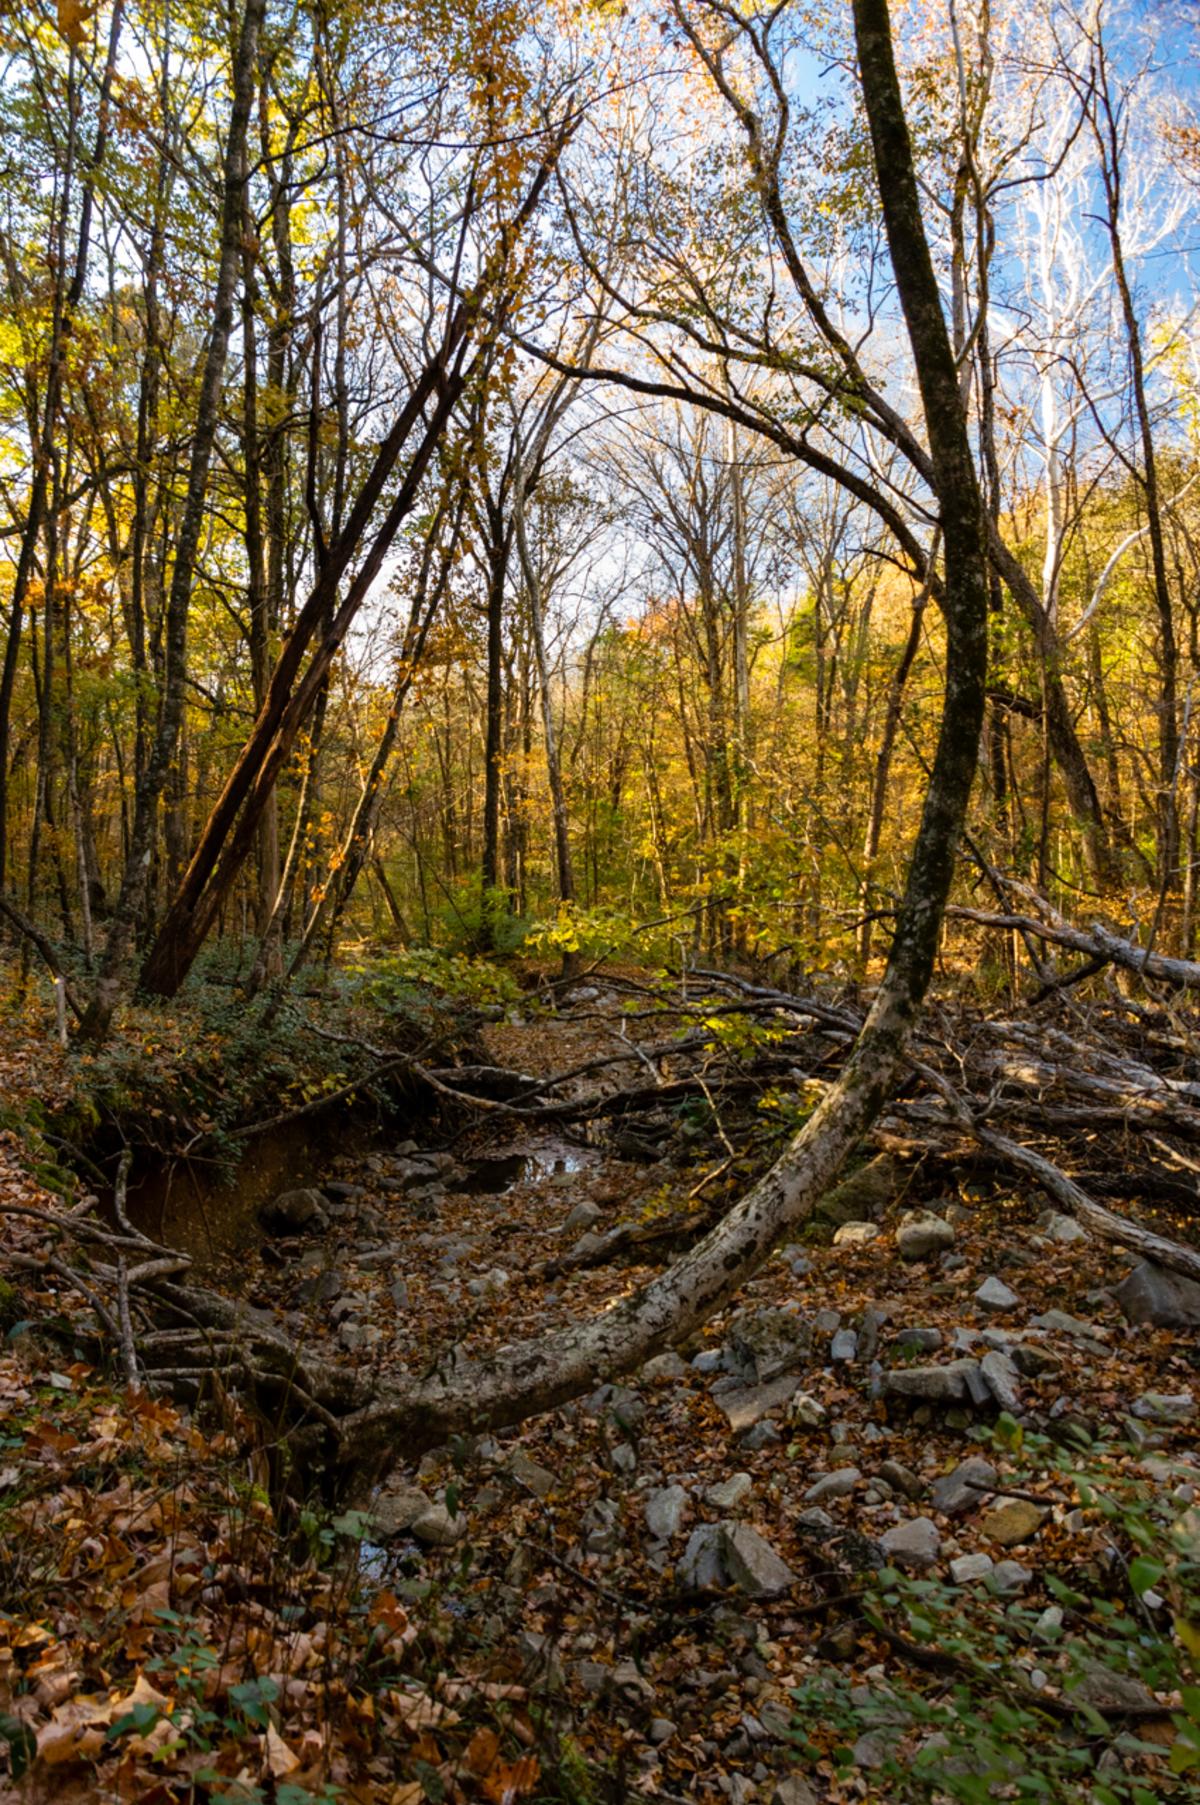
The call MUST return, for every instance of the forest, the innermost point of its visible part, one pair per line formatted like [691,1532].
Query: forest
[599,905]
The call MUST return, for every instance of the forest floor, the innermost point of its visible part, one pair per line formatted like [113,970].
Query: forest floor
[890,1528]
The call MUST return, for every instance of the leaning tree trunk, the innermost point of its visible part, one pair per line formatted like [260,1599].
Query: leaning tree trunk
[509,1386]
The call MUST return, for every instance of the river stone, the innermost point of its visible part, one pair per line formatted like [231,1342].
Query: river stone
[915,1544]
[752,1564]
[727,1494]
[922,1234]
[1013,1522]
[994,1294]
[958,1492]
[665,1511]
[294,1212]
[1165,1300]
[856,1234]
[933,1384]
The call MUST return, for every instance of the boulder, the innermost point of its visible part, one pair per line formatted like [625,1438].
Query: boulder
[1001,1377]
[1164,1300]
[922,1234]
[585,1215]
[746,1405]
[864,1193]
[954,1383]
[438,1528]
[294,1212]
[764,1343]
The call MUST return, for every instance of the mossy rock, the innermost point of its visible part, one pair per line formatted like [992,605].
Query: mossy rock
[863,1195]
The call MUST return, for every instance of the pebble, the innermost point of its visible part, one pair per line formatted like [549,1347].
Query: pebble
[915,1544]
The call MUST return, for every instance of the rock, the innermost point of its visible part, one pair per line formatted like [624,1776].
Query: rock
[536,1479]
[751,1563]
[585,1215]
[375,1257]
[665,1366]
[1164,1407]
[764,1343]
[995,1295]
[1012,1522]
[844,1346]
[399,1293]
[601,1526]
[902,1478]
[838,1484]
[864,1193]
[747,1404]
[970,1566]
[338,1192]
[762,1435]
[962,1490]
[915,1544]
[1064,1229]
[294,1213]
[1104,1689]
[438,1528]
[394,1512]
[1001,1377]
[702,1568]
[922,1234]
[1164,1300]
[816,1524]
[827,1322]
[868,1332]
[661,1731]
[727,1494]
[1009,1576]
[932,1384]
[915,1341]
[856,1234]
[618,1405]
[1060,1323]
[807,1410]
[709,1360]
[793,1791]
[665,1511]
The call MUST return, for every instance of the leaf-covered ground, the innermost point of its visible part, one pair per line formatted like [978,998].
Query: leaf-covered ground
[758,1569]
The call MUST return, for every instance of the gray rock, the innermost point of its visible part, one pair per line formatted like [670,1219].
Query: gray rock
[729,1493]
[793,1791]
[709,1360]
[1064,1229]
[922,1234]
[962,1491]
[438,1528]
[856,1234]
[827,1322]
[294,1212]
[969,1567]
[394,1512]
[762,1435]
[747,1404]
[816,1524]
[915,1341]
[661,1731]
[585,1215]
[932,1384]
[752,1564]
[376,1257]
[844,1346]
[994,1294]
[902,1478]
[865,1192]
[1008,1577]
[665,1511]
[915,1544]
[838,1484]
[536,1479]
[665,1366]
[1061,1323]
[601,1526]
[1165,1300]
[764,1343]
[702,1568]
[1001,1377]
[1104,1689]
[1164,1407]
[807,1410]
[618,1405]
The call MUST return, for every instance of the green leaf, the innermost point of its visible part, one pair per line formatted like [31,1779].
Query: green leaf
[1145,1573]
[22,1744]
[139,1718]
